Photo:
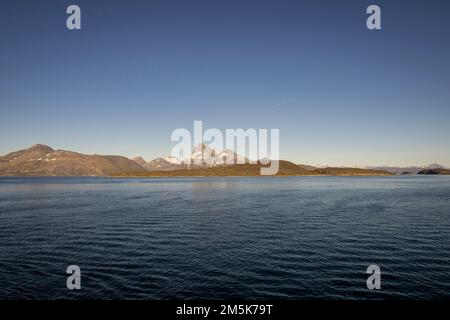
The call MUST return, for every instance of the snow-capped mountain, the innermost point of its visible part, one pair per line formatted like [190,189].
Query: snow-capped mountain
[172,160]
[230,157]
[201,156]
[206,156]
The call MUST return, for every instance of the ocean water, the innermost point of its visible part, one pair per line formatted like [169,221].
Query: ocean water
[225,238]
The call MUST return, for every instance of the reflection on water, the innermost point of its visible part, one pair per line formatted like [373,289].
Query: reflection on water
[292,237]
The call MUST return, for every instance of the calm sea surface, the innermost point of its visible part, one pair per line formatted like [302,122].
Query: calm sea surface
[278,238]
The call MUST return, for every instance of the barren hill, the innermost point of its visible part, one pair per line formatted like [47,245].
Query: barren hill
[41,160]
[286,168]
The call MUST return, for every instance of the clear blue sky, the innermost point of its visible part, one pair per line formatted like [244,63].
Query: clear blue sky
[339,93]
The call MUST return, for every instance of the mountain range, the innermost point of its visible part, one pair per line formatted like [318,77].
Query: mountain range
[41,160]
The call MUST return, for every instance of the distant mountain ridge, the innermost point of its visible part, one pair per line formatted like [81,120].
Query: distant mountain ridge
[408,170]
[42,160]
[201,156]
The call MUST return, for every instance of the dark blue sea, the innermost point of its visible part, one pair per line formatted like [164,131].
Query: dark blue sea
[225,238]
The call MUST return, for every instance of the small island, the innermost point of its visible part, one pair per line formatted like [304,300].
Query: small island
[439,171]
